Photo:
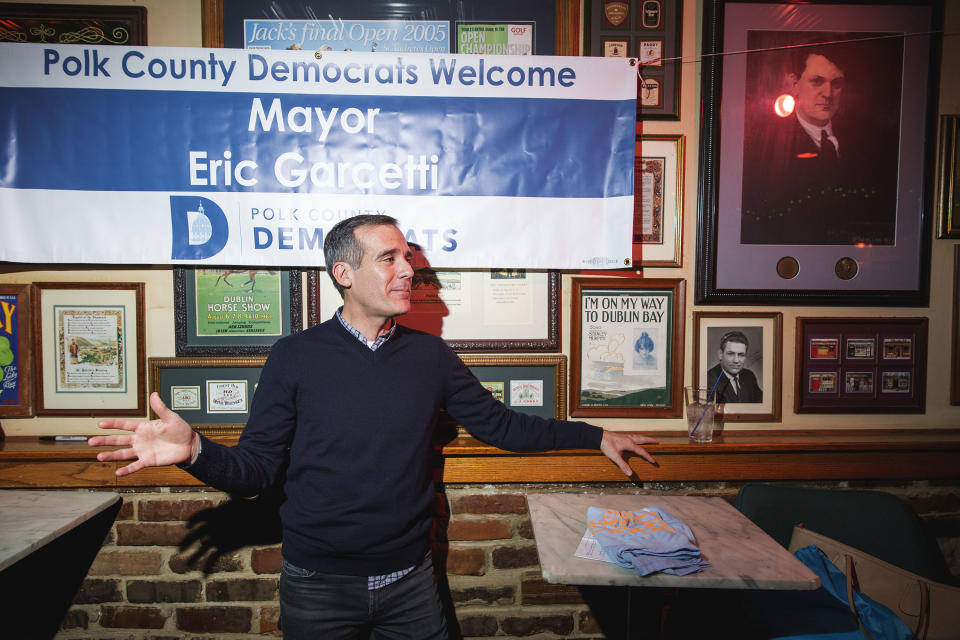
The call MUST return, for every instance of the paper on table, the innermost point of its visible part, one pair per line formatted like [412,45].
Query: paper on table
[590,549]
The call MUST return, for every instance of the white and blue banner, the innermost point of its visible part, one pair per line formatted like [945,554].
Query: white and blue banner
[157,155]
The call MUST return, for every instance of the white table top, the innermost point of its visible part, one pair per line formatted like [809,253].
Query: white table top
[741,555]
[31,519]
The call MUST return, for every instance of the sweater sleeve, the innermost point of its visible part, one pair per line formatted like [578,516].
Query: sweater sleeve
[258,459]
[488,419]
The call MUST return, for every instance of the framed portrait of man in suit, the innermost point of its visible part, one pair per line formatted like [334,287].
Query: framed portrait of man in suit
[738,357]
[814,182]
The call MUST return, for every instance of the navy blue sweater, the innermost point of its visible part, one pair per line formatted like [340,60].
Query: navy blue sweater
[358,425]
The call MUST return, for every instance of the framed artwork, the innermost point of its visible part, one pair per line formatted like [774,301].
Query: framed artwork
[212,394]
[861,365]
[626,348]
[16,351]
[232,311]
[542,27]
[948,200]
[473,310]
[69,24]
[813,181]
[658,201]
[532,384]
[650,31]
[738,356]
[89,346]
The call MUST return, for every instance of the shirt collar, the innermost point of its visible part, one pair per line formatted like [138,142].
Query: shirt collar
[385,335]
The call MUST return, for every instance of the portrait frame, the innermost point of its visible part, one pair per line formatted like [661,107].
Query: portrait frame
[17,356]
[565,15]
[468,333]
[193,376]
[658,84]
[948,194]
[196,337]
[648,383]
[863,274]
[105,374]
[955,346]
[127,25]
[706,324]
[890,379]
[663,245]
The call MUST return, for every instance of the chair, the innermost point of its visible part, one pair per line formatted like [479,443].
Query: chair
[875,522]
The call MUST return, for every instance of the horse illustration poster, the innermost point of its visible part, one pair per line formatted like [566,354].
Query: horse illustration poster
[238,302]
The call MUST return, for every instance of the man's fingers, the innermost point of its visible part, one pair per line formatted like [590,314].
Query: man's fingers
[109,441]
[158,407]
[640,451]
[119,454]
[117,423]
[130,468]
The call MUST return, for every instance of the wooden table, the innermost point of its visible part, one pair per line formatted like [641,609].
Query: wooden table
[48,540]
[741,555]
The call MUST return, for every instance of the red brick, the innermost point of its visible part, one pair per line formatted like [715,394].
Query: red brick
[149,534]
[214,619]
[588,624]
[515,557]
[525,529]
[126,511]
[242,590]
[266,560]
[478,530]
[145,591]
[517,626]
[165,510]
[127,563]
[483,595]
[132,617]
[489,503]
[477,626]
[94,591]
[269,617]
[185,563]
[466,562]
[534,590]
[75,619]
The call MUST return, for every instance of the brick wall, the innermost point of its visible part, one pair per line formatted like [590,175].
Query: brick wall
[195,564]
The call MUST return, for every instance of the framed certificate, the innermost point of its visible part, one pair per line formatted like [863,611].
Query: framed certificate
[90,358]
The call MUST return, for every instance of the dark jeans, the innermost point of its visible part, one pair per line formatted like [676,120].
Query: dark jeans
[322,606]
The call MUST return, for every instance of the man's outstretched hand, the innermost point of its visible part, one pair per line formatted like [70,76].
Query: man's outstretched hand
[151,443]
[614,444]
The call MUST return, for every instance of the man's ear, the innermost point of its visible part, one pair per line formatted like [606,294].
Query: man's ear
[343,274]
[793,79]
[719,355]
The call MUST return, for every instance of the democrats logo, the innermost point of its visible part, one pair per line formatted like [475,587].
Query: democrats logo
[199,228]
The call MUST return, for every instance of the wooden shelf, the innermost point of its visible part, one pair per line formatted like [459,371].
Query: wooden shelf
[737,456]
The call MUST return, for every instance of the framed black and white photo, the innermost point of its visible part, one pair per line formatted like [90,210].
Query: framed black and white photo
[738,357]
[814,181]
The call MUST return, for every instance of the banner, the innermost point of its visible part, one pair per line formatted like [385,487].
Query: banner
[234,157]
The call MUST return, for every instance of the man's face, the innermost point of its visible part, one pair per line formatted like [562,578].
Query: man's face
[380,286]
[732,357]
[818,90]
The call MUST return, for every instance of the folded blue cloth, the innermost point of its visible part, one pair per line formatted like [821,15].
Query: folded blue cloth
[649,540]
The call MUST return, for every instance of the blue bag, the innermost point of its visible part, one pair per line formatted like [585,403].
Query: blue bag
[877,622]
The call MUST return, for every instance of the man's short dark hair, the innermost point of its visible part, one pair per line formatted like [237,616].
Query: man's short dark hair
[734,336]
[341,244]
[800,55]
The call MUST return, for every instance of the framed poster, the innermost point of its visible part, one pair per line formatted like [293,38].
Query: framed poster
[473,310]
[68,24]
[955,347]
[532,384]
[650,31]
[16,351]
[948,195]
[212,394]
[861,365]
[738,356]
[626,348]
[813,179]
[89,349]
[658,201]
[543,27]
[232,311]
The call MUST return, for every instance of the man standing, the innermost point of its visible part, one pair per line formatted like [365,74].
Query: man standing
[737,384]
[348,409]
